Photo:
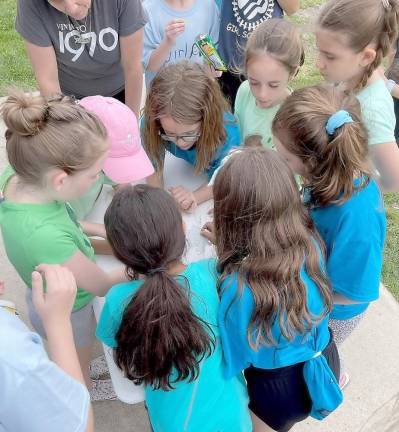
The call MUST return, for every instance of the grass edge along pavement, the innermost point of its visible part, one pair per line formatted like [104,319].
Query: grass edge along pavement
[15,70]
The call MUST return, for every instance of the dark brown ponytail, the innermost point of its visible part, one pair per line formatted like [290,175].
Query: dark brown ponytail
[159,333]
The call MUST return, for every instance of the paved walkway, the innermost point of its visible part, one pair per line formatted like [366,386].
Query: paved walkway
[371,356]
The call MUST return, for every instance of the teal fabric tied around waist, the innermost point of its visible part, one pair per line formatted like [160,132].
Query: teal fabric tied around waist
[322,385]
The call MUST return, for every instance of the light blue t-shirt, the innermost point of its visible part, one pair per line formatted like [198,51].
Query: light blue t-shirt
[236,309]
[378,113]
[233,140]
[202,18]
[35,394]
[354,234]
[209,404]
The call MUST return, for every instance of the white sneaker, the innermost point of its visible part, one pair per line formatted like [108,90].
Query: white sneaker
[99,368]
[102,390]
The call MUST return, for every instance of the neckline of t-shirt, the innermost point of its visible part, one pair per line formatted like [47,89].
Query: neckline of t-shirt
[177,13]
[377,83]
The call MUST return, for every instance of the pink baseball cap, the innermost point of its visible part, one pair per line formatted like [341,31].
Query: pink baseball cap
[127,161]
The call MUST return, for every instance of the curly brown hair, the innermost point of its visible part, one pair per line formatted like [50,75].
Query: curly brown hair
[265,235]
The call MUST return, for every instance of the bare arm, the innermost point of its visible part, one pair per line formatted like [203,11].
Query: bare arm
[160,54]
[156,179]
[289,6]
[203,193]
[54,308]
[44,65]
[385,158]
[90,277]
[93,229]
[131,52]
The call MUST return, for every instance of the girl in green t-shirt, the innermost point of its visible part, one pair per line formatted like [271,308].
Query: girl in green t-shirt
[273,55]
[163,323]
[56,150]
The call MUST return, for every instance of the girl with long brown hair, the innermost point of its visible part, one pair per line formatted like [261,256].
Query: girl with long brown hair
[275,296]
[163,325]
[352,38]
[318,130]
[187,115]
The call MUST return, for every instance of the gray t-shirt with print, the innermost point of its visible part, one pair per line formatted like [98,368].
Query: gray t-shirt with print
[83,69]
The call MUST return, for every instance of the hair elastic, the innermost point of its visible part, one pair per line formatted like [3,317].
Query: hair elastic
[337,120]
[154,271]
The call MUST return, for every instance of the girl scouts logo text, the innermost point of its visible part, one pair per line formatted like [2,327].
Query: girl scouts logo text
[249,14]
[107,39]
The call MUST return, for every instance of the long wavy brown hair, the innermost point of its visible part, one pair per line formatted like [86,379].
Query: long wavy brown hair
[160,340]
[265,235]
[363,22]
[188,94]
[332,162]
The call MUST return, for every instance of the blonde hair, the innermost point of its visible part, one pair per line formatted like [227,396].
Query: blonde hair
[363,22]
[281,40]
[332,162]
[188,94]
[44,133]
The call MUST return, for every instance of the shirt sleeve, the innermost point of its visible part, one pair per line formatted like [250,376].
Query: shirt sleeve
[233,140]
[379,120]
[50,245]
[107,326]
[233,317]
[29,23]
[132,17]
[152,38]
[354,262]
[35,385]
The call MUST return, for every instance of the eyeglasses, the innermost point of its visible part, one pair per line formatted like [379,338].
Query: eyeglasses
[190,139]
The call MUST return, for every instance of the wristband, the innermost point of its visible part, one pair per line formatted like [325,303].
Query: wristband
[390,85]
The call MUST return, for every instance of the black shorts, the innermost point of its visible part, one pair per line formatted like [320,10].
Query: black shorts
[280,397]
[229,83]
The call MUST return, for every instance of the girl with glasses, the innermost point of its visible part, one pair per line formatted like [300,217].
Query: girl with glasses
[187,115]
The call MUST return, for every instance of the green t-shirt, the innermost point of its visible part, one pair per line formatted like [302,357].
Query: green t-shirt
[210,403]
[252,119]
[84,205]
[41,233]
[378,113]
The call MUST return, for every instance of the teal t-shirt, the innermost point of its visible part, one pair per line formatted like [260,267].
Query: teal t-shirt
[209,404]
[378,113]
[252,119]
[354,235]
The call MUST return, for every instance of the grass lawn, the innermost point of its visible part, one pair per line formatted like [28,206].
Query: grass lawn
[15,70]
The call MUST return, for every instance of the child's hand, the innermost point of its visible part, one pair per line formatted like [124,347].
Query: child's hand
[174,29]
[184,197]
[208,231]
[54,306]
[213,72]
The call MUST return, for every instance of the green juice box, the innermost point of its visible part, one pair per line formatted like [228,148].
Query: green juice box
[208,50]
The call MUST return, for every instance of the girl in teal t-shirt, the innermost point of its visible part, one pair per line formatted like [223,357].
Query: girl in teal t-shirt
[275,295]
[319,131]
[273,55]
[186,114]
[163,323]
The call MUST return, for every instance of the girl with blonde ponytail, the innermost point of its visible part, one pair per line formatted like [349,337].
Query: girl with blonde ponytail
[352,38]
[319,132]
